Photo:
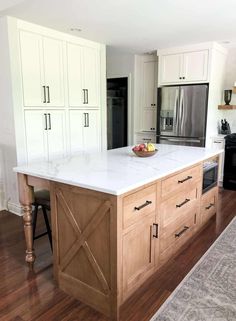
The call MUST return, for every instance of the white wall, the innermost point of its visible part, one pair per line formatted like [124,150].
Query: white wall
[230,79]
[121,64]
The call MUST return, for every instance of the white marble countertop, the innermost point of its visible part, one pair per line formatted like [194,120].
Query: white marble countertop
[117,171]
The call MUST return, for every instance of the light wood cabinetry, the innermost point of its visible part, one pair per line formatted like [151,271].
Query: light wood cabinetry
[106,246]
[183,67]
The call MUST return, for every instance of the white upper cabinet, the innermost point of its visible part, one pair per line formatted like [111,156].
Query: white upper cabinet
[195,66]
[53,72]
[83,76]
[149,84]
[31,69]
[170,68]
[42,70]
[183,67]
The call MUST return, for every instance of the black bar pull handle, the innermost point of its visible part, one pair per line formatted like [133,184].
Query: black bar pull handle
[48,92]
[86,96]
[46,122]
[87,119]
[182,231]
[84,102]
[184,202]
[185,179]
[209,206]
[49,122]
[44,95]
[143,205]
[156,230]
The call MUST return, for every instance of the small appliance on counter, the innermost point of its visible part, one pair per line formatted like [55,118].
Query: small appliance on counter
[225,128]
[229,181]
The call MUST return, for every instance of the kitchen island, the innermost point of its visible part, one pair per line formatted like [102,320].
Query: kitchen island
[117,218]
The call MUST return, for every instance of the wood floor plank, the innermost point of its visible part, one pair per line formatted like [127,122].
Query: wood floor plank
[33,296]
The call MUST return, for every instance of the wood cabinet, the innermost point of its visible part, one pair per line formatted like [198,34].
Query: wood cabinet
[183,67]
[84,130]
[83,75]
[42,70]
[209,204]
[45,134]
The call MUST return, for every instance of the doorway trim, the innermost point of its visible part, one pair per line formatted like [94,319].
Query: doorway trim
[129,104]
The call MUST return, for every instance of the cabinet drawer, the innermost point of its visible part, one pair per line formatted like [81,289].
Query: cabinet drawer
[139,204]
[185,180]
[176,207]
[178,231]
[208,204]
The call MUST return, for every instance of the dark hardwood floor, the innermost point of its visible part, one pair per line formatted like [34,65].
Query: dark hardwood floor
[26,295]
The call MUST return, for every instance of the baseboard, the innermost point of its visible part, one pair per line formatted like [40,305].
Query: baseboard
[15,208]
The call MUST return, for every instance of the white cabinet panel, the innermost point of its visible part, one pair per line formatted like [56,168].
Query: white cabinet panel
[84,130]
[56,133]
[149,84]
[149,119]
[91,131]
[91,72]
[31,69]
[76,124]
[36,135]
[171,66]
[75,80]
[195,65]
[141,138]
[53,69]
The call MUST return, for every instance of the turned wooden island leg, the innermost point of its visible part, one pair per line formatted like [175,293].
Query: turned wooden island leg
[26,199]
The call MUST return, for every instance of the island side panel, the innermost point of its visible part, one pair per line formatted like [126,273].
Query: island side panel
[26,197]
[86,242]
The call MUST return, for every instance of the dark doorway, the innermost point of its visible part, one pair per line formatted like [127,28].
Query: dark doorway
[117,111]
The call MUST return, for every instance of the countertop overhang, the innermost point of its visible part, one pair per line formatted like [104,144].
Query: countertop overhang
[117,171]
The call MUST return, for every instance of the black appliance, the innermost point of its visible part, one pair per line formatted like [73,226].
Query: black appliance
[229,181]
[210,175]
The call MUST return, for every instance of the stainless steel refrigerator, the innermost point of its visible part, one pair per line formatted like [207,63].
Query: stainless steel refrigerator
[181,115]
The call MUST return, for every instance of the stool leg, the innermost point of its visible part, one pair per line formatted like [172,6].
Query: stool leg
[47,225]
[34,221]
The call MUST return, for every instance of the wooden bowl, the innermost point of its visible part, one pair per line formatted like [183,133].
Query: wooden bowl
[141,153]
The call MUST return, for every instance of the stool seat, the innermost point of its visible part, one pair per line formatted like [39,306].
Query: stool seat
[42,199]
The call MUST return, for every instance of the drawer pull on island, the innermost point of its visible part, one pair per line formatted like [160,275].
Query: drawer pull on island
[143,205]
[184,202]
[156,230]
[185,179]
[209,206]
[182,231]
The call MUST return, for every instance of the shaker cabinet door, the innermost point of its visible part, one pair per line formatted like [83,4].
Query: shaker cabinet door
[149,84]
[75,75]
[138,253]
[56,133]
[91,130]
[195,65]
[53,69]
[171,68]
[36,135]
[149,119]
[76,124]
[91,67]
[32,69]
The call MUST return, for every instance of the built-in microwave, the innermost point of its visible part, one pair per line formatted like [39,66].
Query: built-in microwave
[210,175]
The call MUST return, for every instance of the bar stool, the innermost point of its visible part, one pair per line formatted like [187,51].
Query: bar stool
[42,198]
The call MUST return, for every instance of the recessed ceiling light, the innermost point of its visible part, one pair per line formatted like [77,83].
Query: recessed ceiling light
[76,29]
[225,41]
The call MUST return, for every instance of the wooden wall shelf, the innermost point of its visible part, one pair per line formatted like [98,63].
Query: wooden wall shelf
[227,107]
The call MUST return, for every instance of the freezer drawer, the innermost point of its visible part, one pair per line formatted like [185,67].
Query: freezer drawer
[199,142]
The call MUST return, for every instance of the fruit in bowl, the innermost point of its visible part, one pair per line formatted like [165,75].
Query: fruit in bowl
[144,150]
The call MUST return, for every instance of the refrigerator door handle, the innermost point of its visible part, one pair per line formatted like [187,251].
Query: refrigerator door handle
[176,112]
[176,140]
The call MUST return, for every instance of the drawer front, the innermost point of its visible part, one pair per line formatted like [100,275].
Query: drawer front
[138,205]
[185,180]
[178,232]
[209,204]
[176,207]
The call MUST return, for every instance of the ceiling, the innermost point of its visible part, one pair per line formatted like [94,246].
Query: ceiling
[133,25]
